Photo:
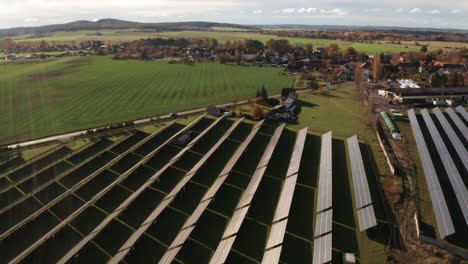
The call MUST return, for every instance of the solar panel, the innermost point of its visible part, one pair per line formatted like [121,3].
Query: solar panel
[297,152]
[322,249]
[280,220]
[222,251]
[366,218]
[463,112]
[272,256]
[136,194]
[458,122]
[285,199]
[324,197]
[180,239]
[276,235]
[456,142]
[243,205]
[444,221]
[454,176]
[361,187]
[323,223]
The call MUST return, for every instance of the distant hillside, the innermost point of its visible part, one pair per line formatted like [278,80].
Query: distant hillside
[117,24]
[410,30]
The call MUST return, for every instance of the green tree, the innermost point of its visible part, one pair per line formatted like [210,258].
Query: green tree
[253,44]
[424,48]
[258,93]
[223,60]
[438,80]
[264,93]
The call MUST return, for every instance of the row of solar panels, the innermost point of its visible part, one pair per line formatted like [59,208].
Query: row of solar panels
[363,202]
[362,197]
[443,218]
[323,223]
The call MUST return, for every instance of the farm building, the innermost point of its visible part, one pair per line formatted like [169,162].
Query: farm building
[425,95]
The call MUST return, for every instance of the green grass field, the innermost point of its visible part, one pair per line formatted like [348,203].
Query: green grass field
[223,36]
[54,96]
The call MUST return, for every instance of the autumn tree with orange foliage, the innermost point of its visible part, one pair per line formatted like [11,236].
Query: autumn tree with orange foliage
[350,51]
[377,68]
[8,43]
[333,50]
[257,111]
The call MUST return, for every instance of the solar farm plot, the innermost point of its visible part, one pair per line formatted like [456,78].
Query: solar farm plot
[362,196]
[458,122]
[240,192]
[452,198]
[462,112]
[454,176]
[453,137]
[71,193]
[444,220]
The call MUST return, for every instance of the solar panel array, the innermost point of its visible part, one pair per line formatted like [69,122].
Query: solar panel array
[280,220]
[366,218]
[458,122]
[362,197]
[323,223]
[100,194]
[444,221]
[161,206]
[189,224]
[324,199]
[322,249]
[361,188]
[452,136]
[463,112]
[115,216]
[324,213]
[243,205]
[454,176]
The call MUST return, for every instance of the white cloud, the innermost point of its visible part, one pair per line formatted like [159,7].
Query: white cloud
[415,10]
[288,10]
[399,10]
[257,12]
[335,11]
[373,9]
[31,19]
[307,10]
[313,10]
[455,11]
[435,12]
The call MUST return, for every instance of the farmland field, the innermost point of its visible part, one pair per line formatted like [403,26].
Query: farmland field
[221,36]
[53,96]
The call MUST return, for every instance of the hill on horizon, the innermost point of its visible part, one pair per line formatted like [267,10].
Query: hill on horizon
[118,24]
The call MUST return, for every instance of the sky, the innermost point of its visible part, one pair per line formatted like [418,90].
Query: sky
[403,13]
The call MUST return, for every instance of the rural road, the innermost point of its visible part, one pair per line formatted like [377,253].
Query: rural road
[67,136]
